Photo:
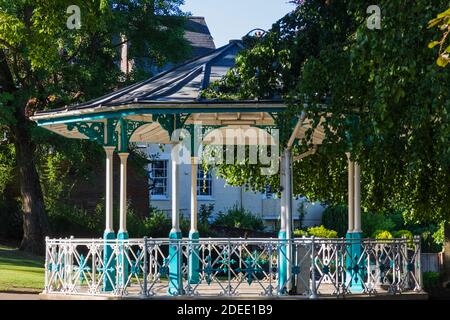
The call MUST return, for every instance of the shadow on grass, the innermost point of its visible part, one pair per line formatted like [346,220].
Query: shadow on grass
[15,257]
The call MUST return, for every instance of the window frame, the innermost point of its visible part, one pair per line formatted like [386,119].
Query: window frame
[200,184]
[165,195]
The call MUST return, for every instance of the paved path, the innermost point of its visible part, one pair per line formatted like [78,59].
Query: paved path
[18,296]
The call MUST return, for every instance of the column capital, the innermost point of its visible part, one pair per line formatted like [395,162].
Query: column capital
[109,149]
[123,155]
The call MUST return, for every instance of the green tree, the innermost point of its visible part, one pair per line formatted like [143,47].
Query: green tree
[442,21]
[44,65]
[379,92]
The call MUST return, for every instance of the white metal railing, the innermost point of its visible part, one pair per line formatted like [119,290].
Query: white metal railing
[231,267]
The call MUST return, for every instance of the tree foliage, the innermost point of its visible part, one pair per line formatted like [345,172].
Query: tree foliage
[378,92]
[45,65]
[442,21]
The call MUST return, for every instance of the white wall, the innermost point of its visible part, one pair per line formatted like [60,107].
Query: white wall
[224,197]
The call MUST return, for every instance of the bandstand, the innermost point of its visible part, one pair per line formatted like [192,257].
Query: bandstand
[153,112]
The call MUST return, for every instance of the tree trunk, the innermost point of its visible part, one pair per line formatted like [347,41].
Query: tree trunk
[446,271]
[35,221]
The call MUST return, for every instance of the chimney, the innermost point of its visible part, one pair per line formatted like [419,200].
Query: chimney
[125,63]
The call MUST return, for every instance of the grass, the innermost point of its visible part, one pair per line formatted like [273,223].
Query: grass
[20,271]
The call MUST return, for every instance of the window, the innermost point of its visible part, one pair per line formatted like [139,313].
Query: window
[204,183]
[268,193]
[158,177]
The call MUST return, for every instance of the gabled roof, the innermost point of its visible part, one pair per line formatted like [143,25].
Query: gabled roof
[198,35]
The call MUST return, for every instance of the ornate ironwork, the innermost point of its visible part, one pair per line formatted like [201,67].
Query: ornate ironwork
[171,122]
[232,267]
[94,131]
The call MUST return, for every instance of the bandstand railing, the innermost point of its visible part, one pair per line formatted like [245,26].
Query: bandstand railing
[143,268]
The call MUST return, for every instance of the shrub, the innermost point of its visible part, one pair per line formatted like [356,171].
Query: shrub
[157,224]
[382,234]
[301,233]
[237,217]
[66,221]
[135,225]
[336,218]
[205,213]
[428,243]
[430,280]
[438,236]
[407,234]
[301,210]
[322,232]
[403,233]
[372,222]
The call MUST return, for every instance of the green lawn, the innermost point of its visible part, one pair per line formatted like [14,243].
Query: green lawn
[20,271]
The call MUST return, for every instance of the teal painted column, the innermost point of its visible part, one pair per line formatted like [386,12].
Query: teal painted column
[282,263]
[175,262]
[351,225]
[175,249]
[288,186]
[122,261]
[109,262]
[109,267]
[282,260]
[194,261]
[123,264]
[357,264]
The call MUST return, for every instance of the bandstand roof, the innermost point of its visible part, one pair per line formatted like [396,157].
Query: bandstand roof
[176,93]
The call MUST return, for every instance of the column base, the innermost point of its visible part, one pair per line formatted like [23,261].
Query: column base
[355,265]
[123,264]
[122,236]
[194,261]
[282,263]
[175,261]
[109,276]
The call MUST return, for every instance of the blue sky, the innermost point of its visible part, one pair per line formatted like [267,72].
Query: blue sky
[232,19]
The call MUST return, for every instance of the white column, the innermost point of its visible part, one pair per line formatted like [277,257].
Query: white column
[123,192]
[288,199]
[288,188]
[194,205]
[109,190]
[175,200]
[351,194]
[283,195]
[357,200]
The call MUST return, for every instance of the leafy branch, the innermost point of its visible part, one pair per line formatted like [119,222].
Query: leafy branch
[442,21]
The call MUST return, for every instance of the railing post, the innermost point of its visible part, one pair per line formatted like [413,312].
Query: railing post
[313,270]
[270,267]
[418,264]
[145,267]
[46,265]
[229,268]
[66,260]
[405,260]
